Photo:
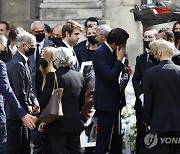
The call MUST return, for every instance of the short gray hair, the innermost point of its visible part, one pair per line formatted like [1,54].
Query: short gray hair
[165,46]
[36,22]
[24,37]
[3,40]
[65,57]
[104,29]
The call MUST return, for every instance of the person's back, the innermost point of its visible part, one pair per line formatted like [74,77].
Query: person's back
[165,82]
[65,132]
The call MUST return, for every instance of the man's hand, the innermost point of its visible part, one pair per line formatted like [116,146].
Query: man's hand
[36,109]
[27,120]
[120,52]
[34,119]
[41,127]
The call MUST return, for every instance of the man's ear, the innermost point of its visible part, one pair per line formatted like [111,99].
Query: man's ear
[67,34]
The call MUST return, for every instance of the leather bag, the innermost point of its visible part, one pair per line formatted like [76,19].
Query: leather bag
[53,109]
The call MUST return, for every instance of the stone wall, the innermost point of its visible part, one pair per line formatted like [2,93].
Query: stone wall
[116,13]
[16,12]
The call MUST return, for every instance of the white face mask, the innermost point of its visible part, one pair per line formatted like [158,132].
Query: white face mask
[14,50]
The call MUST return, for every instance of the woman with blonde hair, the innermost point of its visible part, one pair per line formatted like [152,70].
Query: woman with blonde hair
[48,73]
[46,62]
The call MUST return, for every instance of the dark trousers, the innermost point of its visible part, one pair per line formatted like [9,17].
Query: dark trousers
[65,143]
[141,128]
[18,138]
[106,140]
[47,148]
[37,140]
[3,139]
[116,141]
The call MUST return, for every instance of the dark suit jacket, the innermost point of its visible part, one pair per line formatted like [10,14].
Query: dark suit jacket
[76,66]
[7,92]
[32,63]
[141,66]
[20,81]
[7,57]
[176,57]
[107,69]
[162,98]
[80,45]
[73,83]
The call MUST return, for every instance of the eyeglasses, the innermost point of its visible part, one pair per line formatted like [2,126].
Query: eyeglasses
[32,46]
[39,31]
[153,54]
[149,37]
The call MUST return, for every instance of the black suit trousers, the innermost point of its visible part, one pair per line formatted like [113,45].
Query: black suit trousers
[107,133]
[141,128]
[18,138]
[65,143]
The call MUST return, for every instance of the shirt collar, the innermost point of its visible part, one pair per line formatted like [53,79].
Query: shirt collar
[108,46]
[25,58]
[68,46]
[40,43]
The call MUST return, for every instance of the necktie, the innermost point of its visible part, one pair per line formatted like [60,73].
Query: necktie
[37,55]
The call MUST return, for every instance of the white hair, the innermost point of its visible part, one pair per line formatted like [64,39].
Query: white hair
[36,22]
[3,40]
[104,29]
[65,57]
[166,47]
[24,37]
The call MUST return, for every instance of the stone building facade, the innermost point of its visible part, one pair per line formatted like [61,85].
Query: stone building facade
[115,13]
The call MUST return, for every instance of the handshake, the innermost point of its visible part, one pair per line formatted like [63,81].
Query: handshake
[30,120]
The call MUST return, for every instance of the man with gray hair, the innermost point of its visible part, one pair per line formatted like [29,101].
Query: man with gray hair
[20,81]
[161,92]
[103,31]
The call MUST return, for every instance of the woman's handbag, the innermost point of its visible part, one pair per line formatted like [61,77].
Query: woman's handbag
[53,109]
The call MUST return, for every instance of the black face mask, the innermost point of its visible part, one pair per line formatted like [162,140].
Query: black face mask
[177,35]
[92,40]
[30,52]
[43,62]
[154,60]
[146,44]
[57,41]
[40,37]
[3,53]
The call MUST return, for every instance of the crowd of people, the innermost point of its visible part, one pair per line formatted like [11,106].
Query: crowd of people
[30,62]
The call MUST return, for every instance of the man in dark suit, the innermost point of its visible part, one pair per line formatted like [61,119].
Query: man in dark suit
[107,63]
[143,62]
[20,80]
[38,30]
[161,93]
[7,92]
[4,30]
[71,34]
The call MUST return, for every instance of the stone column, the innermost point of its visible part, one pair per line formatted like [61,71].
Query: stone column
[16,12]
[58,11]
